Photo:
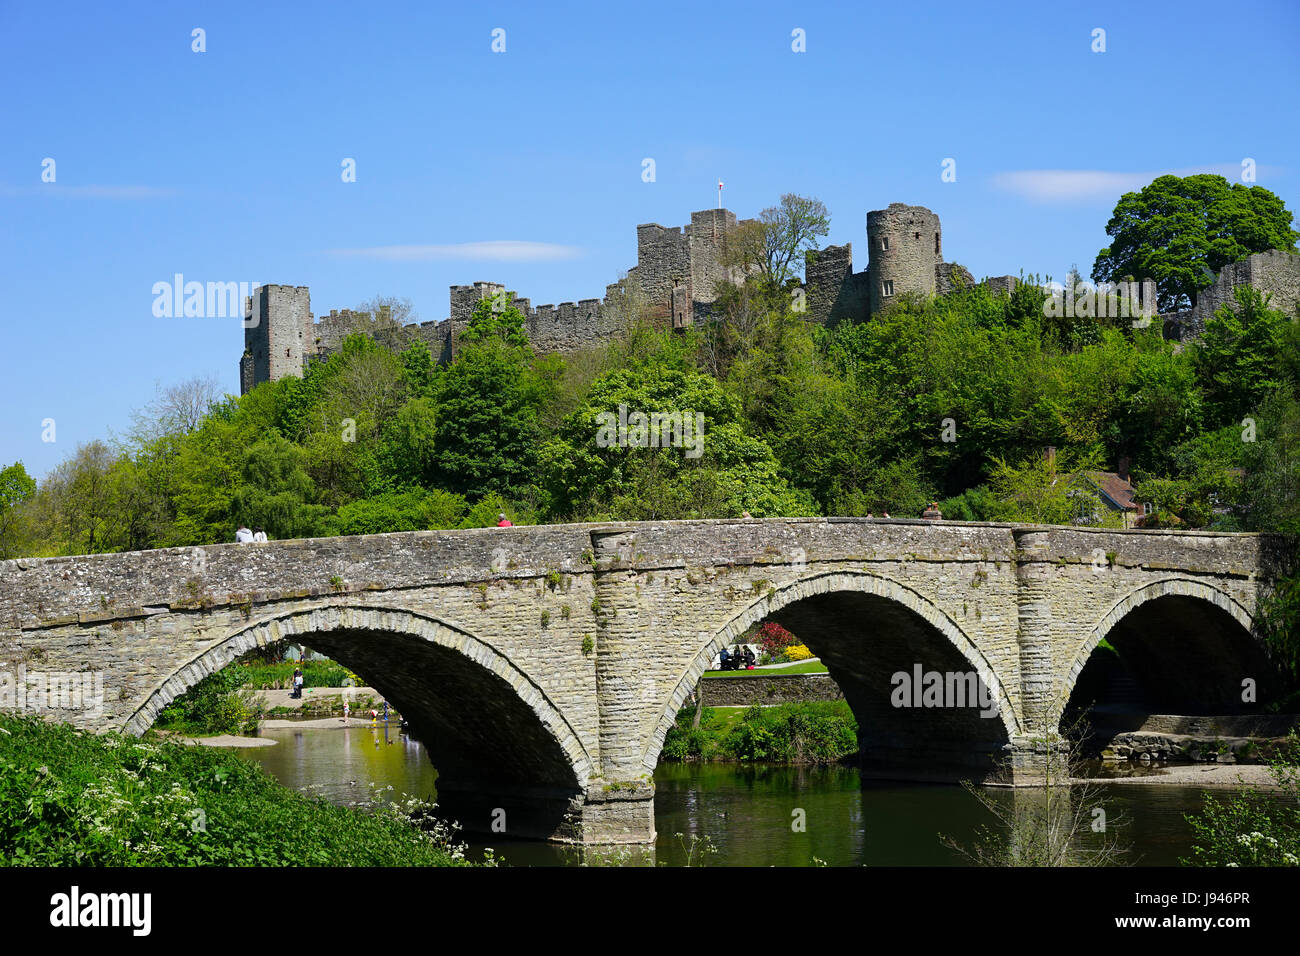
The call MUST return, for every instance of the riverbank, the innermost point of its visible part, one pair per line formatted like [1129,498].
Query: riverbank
[74,798]
[310,723]
[1229,776]
[318,702]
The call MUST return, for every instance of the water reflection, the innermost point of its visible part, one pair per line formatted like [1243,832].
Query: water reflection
[748,815]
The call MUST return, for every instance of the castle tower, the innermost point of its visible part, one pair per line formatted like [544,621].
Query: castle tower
[277,329]
[906,248]
[706,237]
[678,268]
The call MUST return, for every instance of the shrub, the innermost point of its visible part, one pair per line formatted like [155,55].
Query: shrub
[797,652]
[773,639]
[800,733]
[212,706]
[1250,828]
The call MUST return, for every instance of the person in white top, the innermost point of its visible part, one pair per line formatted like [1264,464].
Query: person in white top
[259,534]
[243,535]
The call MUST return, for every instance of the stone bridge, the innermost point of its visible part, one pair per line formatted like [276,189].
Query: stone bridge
[543,666]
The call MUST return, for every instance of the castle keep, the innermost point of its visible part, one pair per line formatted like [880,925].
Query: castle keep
[675,282]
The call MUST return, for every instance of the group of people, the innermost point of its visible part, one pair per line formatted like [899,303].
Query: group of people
[244,536]
[741,657]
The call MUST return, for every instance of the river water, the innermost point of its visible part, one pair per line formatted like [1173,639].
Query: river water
[739,815]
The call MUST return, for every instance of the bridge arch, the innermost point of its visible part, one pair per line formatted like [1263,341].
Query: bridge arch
[539,748]
[878,591]
[1217,628]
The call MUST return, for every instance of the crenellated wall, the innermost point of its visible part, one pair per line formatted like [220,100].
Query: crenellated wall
[675,281]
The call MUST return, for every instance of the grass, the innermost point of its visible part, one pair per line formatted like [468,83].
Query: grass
[315,673]
[71,798]
[807,667]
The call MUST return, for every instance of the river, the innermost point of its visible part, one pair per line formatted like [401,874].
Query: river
[747,814]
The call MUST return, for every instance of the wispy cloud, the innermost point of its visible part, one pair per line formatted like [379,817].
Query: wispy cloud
[58,191]
[495,250]
[1082,185]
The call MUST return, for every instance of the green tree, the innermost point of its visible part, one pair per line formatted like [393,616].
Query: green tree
[717,471]
[1049,489]
[409,510]
[420,370]
[486,436]
[1238,359]
[1179,232]
[493,319]
[16,489]
[406,455]
[209,471]
[80,500]
[1272,482]
[276,492]
[775,244]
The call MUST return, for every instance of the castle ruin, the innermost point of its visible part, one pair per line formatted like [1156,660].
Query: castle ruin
[675,278]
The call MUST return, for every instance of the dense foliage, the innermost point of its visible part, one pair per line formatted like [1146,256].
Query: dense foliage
[852,420]
[69,798]
[212,706]
[817,732]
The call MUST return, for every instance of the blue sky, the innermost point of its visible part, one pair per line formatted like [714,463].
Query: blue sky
[226,165]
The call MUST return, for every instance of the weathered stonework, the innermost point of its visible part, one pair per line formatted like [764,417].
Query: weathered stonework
[1274,273]
[768,689]
[543,666]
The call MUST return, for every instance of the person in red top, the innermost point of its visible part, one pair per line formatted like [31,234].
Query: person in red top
[504,522]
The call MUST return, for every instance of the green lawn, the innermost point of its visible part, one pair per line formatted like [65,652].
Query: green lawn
[807,667]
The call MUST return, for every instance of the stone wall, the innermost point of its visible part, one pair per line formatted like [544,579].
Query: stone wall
[948,277]
[1275,273]
[767,690]
[834,292]
[706,236]
[676,277]
[1001,285]
[663,260]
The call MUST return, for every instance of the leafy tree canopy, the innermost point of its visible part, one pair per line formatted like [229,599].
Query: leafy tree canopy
[1179,231]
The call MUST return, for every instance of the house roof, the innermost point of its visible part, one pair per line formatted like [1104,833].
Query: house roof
[1117,491]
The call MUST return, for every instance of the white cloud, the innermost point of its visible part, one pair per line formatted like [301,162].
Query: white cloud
[495,250]
[1082,185]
